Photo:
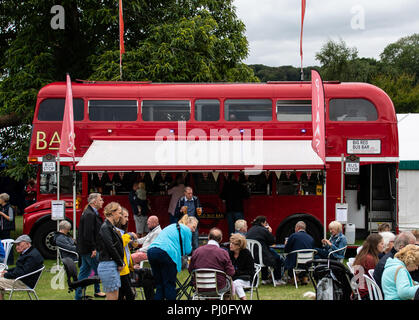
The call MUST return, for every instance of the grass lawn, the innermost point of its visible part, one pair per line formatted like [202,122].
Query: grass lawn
[53,283]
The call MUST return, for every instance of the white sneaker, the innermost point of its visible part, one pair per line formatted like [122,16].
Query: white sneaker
[280,282]
[266,281]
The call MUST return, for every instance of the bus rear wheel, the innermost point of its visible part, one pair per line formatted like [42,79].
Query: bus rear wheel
[288,228]
[42,239]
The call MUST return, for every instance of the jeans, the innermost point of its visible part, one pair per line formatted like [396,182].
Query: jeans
[164,273]
[232,217]
[87,265]
[195,239]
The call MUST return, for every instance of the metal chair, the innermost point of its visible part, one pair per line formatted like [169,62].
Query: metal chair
[254,285]
[28,289]
[303,256]
[74,253]
[206,284]
[72,280]
[374,290]
[337,250]
[251,244]
[7,245]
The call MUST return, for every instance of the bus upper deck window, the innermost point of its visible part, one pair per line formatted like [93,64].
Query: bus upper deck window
[207,110]
[293,110]
[53,109]
[248,110]
[352,110]
[166,110]
[113,110]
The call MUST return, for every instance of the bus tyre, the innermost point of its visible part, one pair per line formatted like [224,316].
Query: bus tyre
[289,228]
[43,237]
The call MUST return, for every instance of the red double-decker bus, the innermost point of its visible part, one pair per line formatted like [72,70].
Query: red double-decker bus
[127,132]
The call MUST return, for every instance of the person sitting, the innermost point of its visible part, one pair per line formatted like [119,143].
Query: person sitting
[154,227]
[367,259]
[29,261]
[213,257]
[401,241]
[299,240]
[388,238]
[243,264]
[397,282]
[384,227]
[240,227]
[336,241]
[64,240]
[262,232]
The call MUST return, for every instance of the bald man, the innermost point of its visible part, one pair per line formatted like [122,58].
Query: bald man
[154,227]
[213,257]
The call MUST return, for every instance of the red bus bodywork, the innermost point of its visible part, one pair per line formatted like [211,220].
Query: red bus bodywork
[279,209]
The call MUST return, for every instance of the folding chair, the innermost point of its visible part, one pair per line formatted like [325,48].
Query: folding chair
[28,289]
[303,256]
[254,285]
[7,245]
[374,290]
[206,284]
[251,244]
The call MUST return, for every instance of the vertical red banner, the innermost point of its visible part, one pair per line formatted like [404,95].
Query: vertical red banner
[121,29]
[318,115]
[303,11]
[67,130]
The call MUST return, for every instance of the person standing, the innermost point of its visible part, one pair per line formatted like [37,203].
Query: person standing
[87,235]
[7,221]
[190,205]
[155,229]
[165,256]
[233,194]
[175,193]
[126,291]
[111,251]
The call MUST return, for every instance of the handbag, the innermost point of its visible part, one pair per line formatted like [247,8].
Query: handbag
[184,258]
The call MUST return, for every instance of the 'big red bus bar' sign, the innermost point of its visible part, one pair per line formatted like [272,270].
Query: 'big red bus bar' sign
[361,146]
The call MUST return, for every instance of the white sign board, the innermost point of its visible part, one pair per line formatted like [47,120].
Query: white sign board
[342,212]
[57,209]
[352,167]
[48,167]
[360,146]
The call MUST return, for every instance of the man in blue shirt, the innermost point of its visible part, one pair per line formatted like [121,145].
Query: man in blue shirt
[190,205]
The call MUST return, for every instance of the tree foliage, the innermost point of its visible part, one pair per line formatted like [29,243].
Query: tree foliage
[170,40]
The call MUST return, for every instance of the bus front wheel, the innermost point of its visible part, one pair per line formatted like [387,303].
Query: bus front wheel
[42,239]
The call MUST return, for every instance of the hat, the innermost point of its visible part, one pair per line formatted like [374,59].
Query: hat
[22,238]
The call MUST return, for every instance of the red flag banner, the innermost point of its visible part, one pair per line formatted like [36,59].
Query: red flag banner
[303,11]
[121,29]
[67,131]
[317,116]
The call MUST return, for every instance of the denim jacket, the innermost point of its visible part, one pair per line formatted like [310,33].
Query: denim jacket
[338,241]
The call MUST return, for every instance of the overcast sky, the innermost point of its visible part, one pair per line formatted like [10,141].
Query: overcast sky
[273,27]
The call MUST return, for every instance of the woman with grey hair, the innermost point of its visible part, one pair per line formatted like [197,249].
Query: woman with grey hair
[388,238]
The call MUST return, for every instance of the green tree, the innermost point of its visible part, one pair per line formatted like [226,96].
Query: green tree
[340,62]
[402,90]
[170,40]
[402,56]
